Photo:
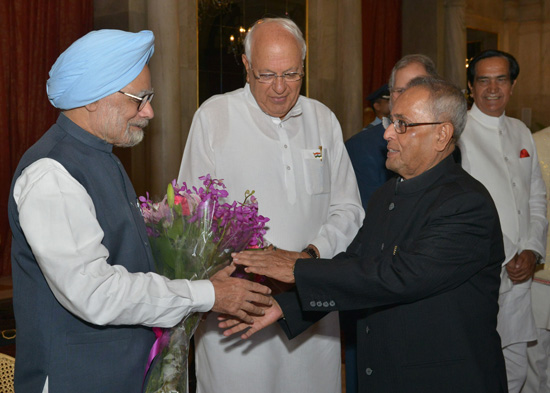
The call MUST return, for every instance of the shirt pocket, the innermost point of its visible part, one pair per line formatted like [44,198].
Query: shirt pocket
[525,165]
[316,171]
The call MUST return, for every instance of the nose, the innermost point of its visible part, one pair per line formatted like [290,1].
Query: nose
[147,111]
[279,85]
[493,85]
[390,132]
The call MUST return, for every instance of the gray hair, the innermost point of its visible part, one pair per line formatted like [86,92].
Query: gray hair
[424,60]
[287,24]
[447,102]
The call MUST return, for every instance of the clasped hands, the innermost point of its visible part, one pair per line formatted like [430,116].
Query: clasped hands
[522,266]
[274,263]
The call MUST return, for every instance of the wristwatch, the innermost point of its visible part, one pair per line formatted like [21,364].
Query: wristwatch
[311,252]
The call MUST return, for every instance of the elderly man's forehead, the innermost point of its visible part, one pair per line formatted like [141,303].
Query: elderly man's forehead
[272,34]
[415,93]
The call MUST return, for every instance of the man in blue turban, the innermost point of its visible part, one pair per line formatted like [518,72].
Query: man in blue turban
[85,296]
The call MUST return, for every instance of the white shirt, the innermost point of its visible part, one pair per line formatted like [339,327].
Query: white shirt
[305,184]
[492,150]
[58,218]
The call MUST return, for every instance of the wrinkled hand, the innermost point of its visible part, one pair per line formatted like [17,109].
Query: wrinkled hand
[232,325]
[274,263]
[238,297]
[522,267]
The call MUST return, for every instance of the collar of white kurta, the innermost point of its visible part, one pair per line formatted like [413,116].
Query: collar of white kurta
[295,111]
[485,120]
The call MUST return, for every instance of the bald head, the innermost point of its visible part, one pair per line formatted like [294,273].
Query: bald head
[274,25]
[274,50]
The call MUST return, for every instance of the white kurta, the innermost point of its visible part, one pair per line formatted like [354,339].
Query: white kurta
[491,149]
[538,374]
[68,247]
[308,197]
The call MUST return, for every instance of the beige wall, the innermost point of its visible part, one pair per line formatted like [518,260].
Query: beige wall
[422,24]
[335,60]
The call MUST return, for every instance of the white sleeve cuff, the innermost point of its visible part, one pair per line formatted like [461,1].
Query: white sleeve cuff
[203,295]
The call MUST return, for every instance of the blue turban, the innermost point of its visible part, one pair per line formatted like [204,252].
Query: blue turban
[97,65]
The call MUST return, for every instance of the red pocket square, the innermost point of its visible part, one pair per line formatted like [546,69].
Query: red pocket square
[524,153]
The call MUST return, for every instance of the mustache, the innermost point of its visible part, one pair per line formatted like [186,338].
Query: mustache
[141,123]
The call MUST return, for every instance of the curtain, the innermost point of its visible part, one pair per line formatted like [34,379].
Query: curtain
[34,33]
[381,41]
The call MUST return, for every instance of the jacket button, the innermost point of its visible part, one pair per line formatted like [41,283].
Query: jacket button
[319,304]
[325,304]
[367,330]
[312,303]
[368,371]
[392,206]
[332,303]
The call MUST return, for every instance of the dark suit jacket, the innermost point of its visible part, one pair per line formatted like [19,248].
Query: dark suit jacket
[424,270]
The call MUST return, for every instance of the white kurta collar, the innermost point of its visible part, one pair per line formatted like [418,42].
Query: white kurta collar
[295,111]
[486,120]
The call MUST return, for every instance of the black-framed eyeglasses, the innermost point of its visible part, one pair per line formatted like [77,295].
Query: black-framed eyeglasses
[272,77]
[401,126]
[141,100]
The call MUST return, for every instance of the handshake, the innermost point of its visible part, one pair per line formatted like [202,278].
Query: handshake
[247,305]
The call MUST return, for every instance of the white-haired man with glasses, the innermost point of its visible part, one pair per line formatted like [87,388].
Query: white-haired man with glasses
[423,270]
[289,149]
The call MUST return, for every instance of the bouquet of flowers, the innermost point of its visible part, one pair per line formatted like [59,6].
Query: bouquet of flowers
[192,235]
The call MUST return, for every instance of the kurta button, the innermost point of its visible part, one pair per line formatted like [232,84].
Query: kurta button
[312,303]
[392,205]
[332,303]
[513,184]
[505,158]
[288,167]
[286,146]
[325,304]
[368,371]
[519,212]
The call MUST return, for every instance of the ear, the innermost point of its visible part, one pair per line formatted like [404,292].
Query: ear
[512,88]
[246,66]
[92,107]
[443,136]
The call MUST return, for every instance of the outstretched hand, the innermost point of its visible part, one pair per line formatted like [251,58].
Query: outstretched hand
[274,263]
[237,297]
[233,325]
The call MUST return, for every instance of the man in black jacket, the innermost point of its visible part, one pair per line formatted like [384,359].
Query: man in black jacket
[424,269]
